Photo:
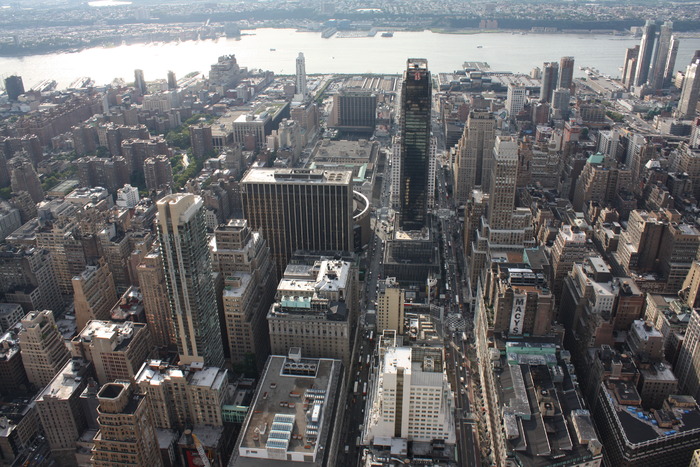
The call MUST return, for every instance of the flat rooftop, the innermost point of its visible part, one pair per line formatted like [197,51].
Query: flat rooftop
[292,411]
[297,176]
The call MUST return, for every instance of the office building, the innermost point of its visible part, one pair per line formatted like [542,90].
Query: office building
[300,77]
[595,305]
[297,398]
[140,82]
[354,110]
[127,434]
[10,314]
[28,277]
[503,182]
[633,436]
[688,363]
[677,251]
[94,294]
[172,81]
[601,180]
[534,412]
[116,350]
[243,258]
[184,396]
[10,219]
[225,73]
[560,104]
[515,99]
[661,56]
[314,309]
[670,66]
[629,67]
[390,306]
[521,301]
[299,209]
[474,155]
[127,196]
[565,80]
[116,249]
[60,411]
[14,87]
[691,286]
[13,377]
[550,78]
[43,350]
[688,103]
[24,178]
[646,51]
[414,135]
[670,316]
[569,247]
[411,398]
[188,277]
[151,275]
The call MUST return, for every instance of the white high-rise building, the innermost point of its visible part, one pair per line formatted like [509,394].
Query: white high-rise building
[691,90]
[515,100]
[411,398]
[301,75]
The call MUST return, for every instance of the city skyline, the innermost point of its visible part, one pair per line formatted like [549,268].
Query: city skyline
[238,267]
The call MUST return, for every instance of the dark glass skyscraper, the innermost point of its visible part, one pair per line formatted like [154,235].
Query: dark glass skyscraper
[415,144]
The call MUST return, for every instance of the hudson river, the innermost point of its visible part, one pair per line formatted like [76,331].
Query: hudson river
[445,53]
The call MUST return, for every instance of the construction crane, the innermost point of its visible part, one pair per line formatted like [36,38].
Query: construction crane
[200,448]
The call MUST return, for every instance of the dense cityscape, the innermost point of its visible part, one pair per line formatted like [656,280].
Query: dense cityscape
[445,268]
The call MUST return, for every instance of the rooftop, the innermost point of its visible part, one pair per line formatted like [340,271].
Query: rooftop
[293,410]
[641,426]
[66,382]
[543,414]
[297,176]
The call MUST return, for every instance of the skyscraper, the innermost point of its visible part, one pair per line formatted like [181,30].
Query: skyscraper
[515,100]
[503,176]
[156,306]
[663,48]
[43,350]
[550,77]
[415,144]
[243,258]
[14,87]
[629,68]
[299,209]
[669,68]
[140,81]
[691,89]
[566,73]
[172,81]
[646,50]
[188,277]
[301,75]
[474,153]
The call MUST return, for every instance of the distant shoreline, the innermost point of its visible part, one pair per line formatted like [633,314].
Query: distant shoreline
[447,31]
